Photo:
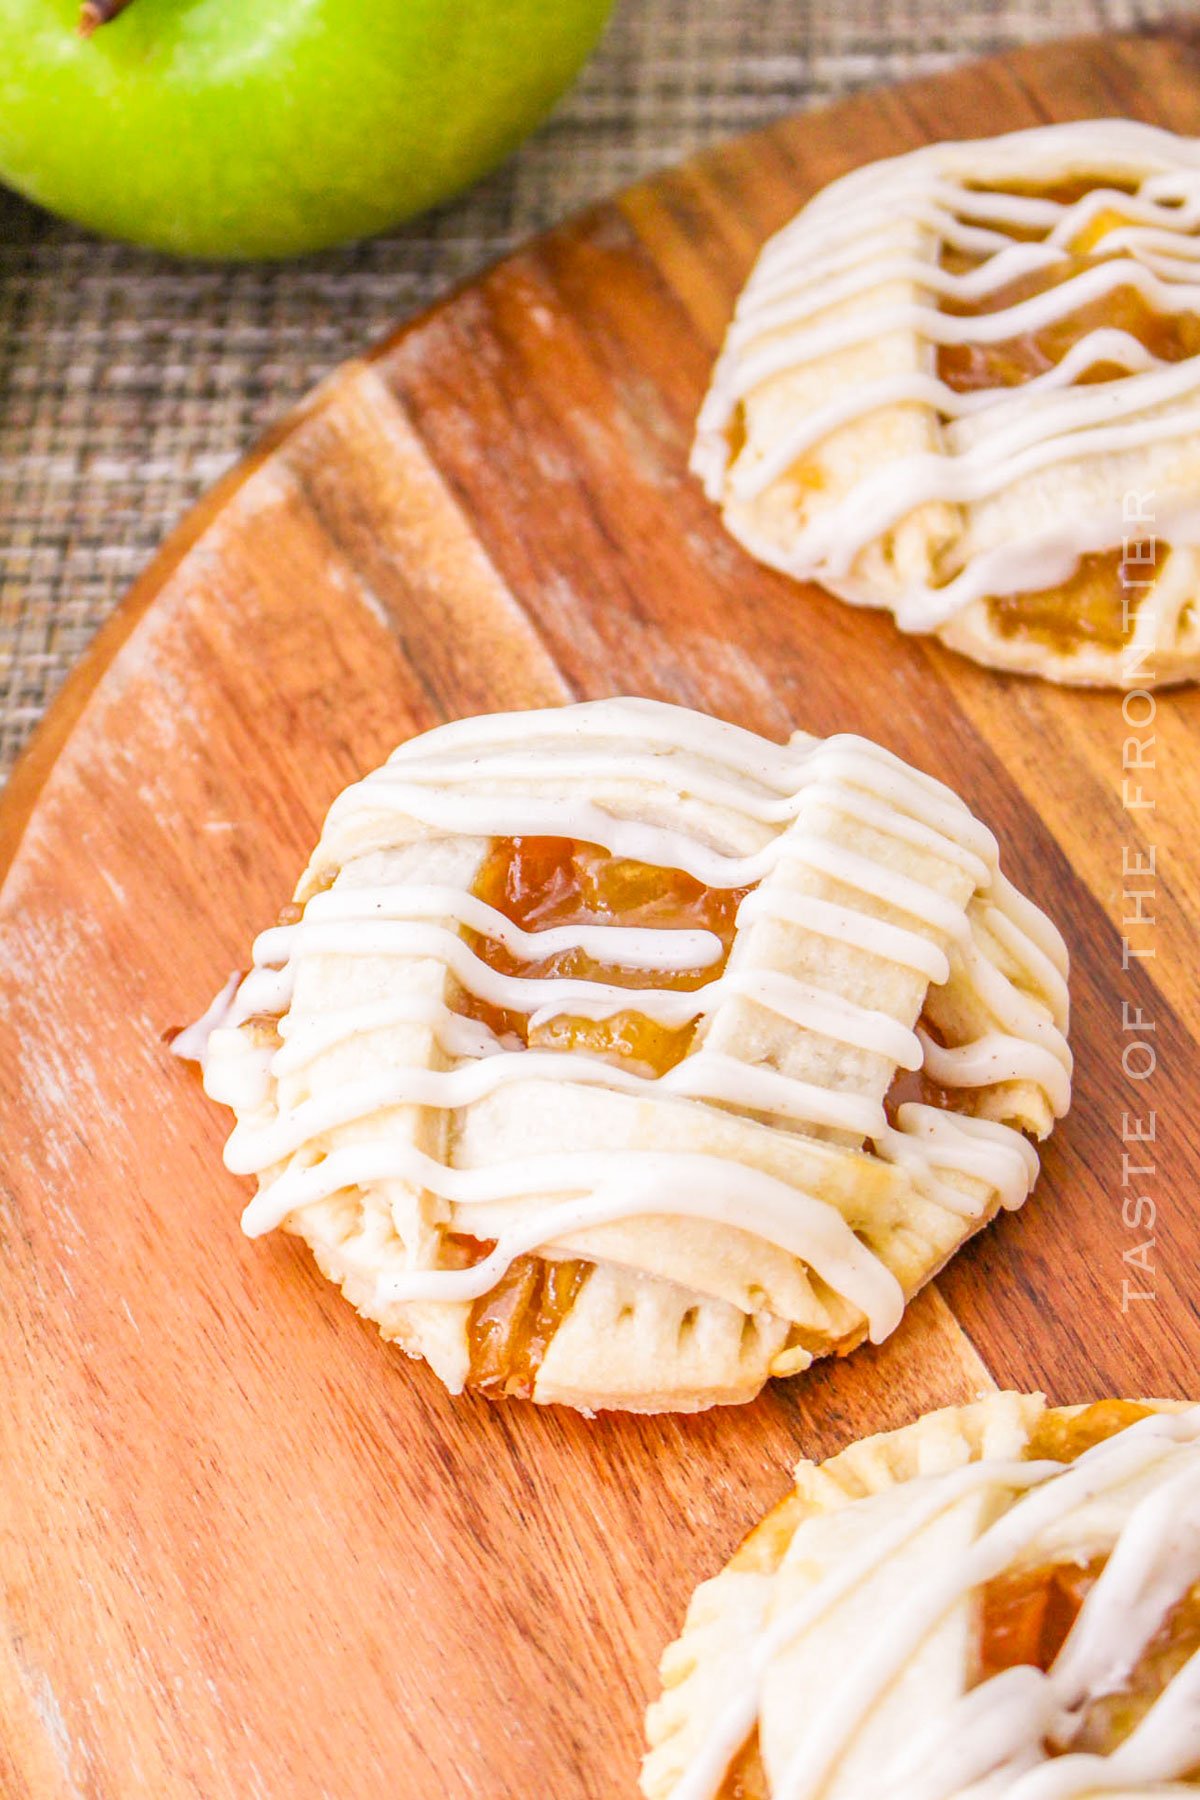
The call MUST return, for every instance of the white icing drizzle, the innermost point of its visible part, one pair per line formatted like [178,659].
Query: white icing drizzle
[828,257]
[991,1743]
[191,1044]
[639,947]
[930,1139]
[995,1058]
[469,779]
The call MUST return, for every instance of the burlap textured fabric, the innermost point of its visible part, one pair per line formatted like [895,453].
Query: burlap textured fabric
[128,383]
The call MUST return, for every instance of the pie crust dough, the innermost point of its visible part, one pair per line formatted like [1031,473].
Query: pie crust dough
[839,456]
[842,1631]
[750,1209]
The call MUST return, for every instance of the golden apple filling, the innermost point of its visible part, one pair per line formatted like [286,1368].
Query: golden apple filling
[1097,606]
[745,1778]
[1026,1619]
[1062,1437]
[966,368]
[917,1086]
[1026,1616]
[540,883]
[510,1328]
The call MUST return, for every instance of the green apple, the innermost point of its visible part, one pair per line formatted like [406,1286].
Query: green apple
[252,128]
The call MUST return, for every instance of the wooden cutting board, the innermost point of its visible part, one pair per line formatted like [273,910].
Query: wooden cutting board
[247,1550]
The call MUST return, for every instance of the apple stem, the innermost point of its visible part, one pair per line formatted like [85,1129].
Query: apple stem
[95,13]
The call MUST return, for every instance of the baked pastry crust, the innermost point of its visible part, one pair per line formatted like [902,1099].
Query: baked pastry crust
[964,385]
[730,1217]
[838,1654]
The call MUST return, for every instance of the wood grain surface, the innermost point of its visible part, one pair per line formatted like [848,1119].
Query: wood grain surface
[247,1550]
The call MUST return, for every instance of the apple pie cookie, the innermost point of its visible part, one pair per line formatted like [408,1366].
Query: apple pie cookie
[617,1056]
[964,385]
[1000,1602]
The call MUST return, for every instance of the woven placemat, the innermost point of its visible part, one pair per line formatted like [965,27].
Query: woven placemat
[129,383]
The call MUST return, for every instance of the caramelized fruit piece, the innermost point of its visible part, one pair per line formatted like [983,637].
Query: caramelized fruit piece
[745,1778]
[1025,1617]
[915,1085]
[511,1327]
[1100,226]
[1056,1438]
[1097,605]
[541,882]
[636,1041]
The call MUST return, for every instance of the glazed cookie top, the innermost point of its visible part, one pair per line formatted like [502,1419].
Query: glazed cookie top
[615,1055]
[998,1601]
[964,384]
